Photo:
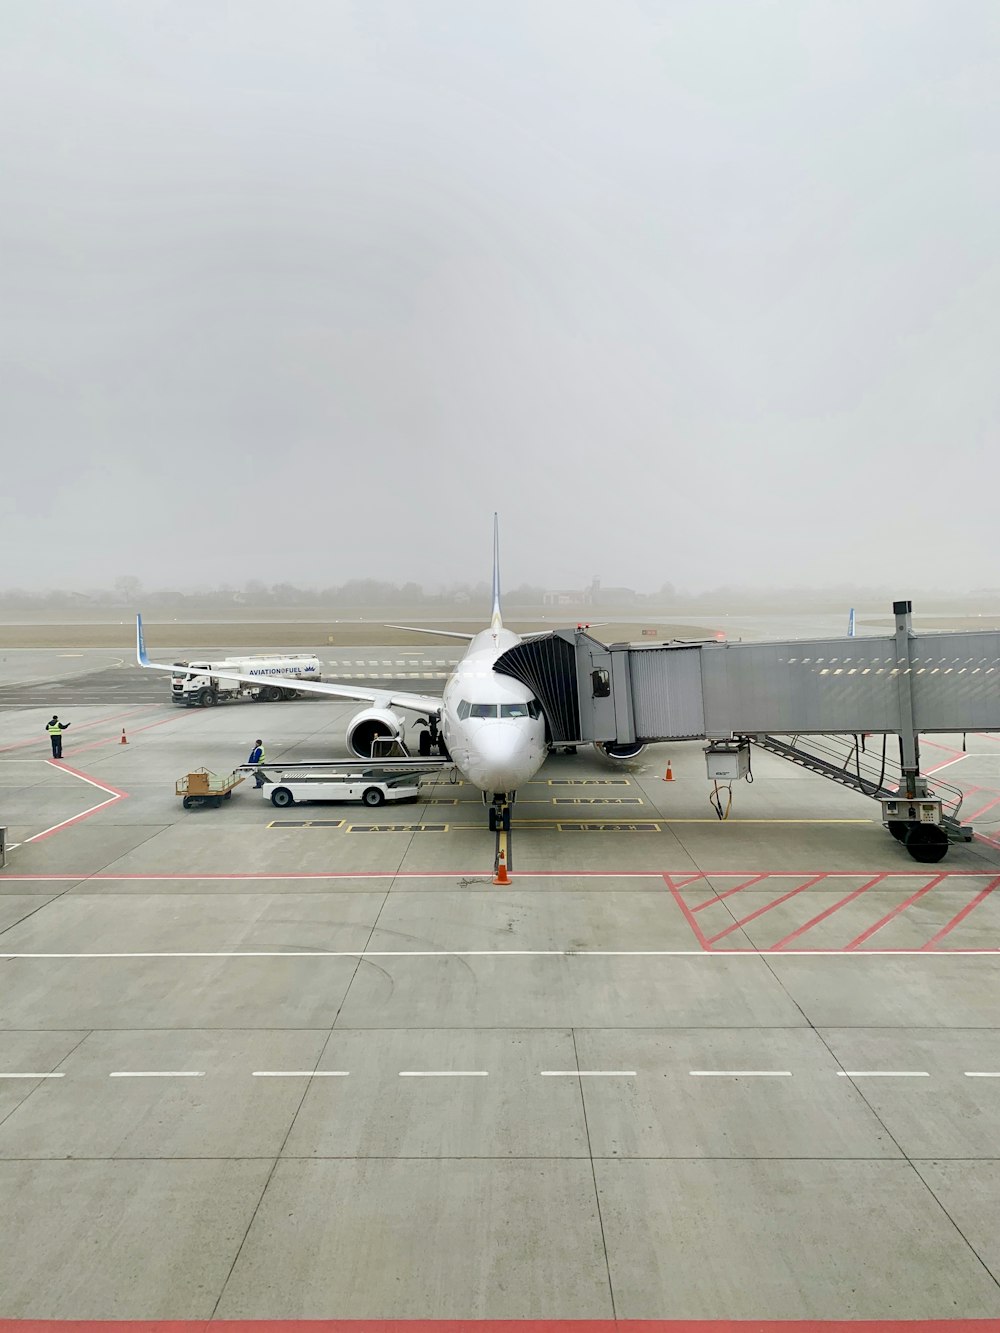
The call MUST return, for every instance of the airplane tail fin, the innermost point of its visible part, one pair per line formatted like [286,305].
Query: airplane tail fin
[141,656]
[850,624]
[496,621]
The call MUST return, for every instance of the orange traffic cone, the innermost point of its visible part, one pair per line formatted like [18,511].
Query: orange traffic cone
[124,737]
[501,876]
[669,775]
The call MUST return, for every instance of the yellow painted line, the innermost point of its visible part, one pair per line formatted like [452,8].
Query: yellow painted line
[709,820]
[660,819]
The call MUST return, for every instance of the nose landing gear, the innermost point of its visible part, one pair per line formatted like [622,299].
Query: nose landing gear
[500,812]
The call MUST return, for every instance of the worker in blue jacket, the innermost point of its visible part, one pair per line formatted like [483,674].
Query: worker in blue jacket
[257,757]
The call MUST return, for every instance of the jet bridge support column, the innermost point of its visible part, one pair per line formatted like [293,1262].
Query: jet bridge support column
[912,785]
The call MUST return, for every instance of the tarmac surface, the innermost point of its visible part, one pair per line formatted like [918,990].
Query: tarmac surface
[312,1063]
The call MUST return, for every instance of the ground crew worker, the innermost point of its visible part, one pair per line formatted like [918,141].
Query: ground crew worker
[257,757]
[55,728]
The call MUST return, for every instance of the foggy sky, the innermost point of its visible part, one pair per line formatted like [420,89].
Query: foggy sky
[690,291]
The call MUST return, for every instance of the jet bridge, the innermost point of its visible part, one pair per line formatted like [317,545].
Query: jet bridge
[785,696]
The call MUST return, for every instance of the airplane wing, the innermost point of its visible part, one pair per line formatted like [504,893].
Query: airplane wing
[418,703]
[441,633]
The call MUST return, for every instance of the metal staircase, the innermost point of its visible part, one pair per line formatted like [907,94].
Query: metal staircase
[869,771]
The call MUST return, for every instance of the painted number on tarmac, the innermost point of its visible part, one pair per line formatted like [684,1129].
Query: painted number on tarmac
[397,828]
[597,800]
[609,828]
[306,823]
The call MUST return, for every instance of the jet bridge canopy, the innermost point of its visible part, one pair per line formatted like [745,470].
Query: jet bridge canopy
[928,682]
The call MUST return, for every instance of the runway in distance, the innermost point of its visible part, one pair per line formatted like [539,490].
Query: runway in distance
[488,724]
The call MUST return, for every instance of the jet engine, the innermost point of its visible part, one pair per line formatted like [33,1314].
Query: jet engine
[622,751]
[370,725]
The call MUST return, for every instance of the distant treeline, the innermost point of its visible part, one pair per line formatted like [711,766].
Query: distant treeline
[129,593]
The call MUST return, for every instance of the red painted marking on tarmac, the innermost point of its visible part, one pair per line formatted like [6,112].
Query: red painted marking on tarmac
[249,875]
[114,796]
[116,740]
[936,745]
[889,916]
[689,915]
[829,911]
[982,811]
[82,726]
[87,777]
[960,916]
[728,892]
[766,908]
[499,1325]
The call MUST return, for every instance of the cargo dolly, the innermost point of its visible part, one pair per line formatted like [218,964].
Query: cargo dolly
[203,787]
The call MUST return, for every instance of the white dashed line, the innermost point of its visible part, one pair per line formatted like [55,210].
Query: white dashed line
[157,1073]
[444,1073]
[740,1073]
[301,1073]
[974,1073]
[588,1073]
[882,1073]
[32,1075]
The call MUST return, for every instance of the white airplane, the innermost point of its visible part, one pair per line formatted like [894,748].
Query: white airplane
[491,726]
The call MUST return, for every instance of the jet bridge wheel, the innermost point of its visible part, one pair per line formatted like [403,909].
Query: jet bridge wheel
[898,829]
[926,842]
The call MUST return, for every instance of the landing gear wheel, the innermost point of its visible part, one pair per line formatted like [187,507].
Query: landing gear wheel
[443,749]
[373,796]
[927,843]
[424,745]
[898,829]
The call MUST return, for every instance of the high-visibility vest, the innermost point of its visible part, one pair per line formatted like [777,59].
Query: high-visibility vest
[55,728]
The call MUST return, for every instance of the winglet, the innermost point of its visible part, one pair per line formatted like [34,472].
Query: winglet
[140,644]
[850,624]
[497,619]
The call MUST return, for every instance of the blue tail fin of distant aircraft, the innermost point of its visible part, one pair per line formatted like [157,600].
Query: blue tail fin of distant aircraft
[850,624]
[141,655]
[496,621]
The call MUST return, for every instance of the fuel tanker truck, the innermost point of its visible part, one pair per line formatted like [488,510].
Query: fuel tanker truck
[195,683]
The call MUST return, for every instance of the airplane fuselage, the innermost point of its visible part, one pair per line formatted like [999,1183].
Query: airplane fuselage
[491,723]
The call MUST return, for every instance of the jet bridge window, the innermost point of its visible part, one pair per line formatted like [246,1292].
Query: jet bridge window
[601,683]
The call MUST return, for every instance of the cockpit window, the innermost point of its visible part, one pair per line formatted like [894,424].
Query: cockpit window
[463,710]
[513,710]
[482,710]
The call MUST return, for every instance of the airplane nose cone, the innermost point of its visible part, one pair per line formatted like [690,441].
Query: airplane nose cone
[504,758]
